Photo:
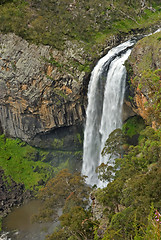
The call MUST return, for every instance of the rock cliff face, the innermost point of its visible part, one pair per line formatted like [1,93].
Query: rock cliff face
[43,89]
[144,67]
[36,95]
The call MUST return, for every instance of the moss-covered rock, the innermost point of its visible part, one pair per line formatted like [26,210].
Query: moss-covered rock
[132,128]
[146,54]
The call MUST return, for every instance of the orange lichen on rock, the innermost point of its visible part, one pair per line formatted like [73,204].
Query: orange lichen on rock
[49,70]
[141,101]
[67,90]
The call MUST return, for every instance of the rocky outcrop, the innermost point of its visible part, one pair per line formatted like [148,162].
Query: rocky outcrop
[36,94]
[11,194]
[144,68]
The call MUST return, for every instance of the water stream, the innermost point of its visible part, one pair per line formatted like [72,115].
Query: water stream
[104,111]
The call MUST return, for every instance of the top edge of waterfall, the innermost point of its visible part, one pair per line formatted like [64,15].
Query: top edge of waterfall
[119,48]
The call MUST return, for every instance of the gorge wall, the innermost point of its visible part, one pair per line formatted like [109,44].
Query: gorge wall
[37,95]
[43,90]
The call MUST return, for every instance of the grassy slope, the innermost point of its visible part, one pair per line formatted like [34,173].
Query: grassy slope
[90,23]
[33,166]
[17,159]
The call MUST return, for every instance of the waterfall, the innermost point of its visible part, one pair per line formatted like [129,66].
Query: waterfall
[104,111]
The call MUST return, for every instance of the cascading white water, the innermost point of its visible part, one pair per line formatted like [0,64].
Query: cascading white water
[104,110]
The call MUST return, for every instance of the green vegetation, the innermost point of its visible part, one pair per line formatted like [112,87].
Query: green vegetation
[70,192]
[130,202]
[90,23]
[144,75]
[31,166]
[21,163]
[135,186]
[150,45]
[133,126]
[79,138]
[133,194]
[34,166]
[57,143]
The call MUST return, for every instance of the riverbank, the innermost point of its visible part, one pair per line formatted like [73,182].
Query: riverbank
[11,194]
[18,224]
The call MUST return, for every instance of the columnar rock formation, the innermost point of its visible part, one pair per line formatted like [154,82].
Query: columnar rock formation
[36,95]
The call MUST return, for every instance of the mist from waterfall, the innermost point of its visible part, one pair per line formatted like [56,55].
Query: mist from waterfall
[104,111]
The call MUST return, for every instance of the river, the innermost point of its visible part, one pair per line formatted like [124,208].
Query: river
[18,224]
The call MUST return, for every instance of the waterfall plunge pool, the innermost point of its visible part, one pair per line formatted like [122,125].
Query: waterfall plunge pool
[18,224]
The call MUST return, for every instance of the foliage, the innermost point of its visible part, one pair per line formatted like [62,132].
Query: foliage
[114,148]
[133,126]
[117,144]
[64,190]
[153,229]
[114,143]
[21,162]
[70,192]
[89,22]
[57,143]
[33,166]
[78,223]
[135,186]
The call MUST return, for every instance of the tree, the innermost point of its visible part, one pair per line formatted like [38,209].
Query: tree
[135,186]
[65,190]
[114,147]
[114,144]
[70,192]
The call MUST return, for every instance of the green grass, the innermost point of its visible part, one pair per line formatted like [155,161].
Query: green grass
[31,166]
[89,23]
[18,160]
